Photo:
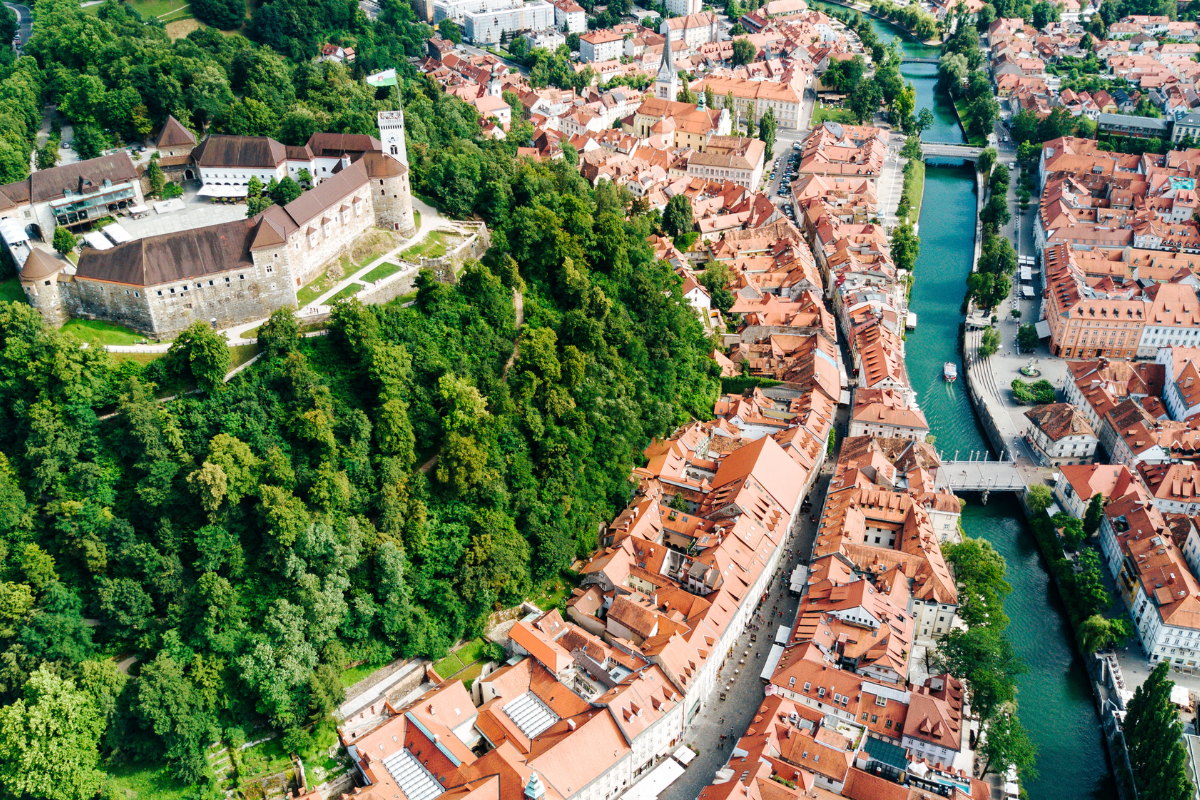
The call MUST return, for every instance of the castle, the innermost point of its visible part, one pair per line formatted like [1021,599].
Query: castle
[222,274]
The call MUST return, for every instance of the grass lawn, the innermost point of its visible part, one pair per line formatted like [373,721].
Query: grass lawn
[321,284]
[417,218]
[10,290]
[145,359]
[433,245]
[461,658]
[914,189]
[554,592]
[148,781]
[98,332]
[168,10]
[264,759]
[964,118]
[251,334]
[355,674]
[822,113]
[346,293]
[240,354]
[382,271]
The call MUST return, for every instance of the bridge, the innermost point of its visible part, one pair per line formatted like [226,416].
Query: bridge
[950,150]
[982,476]
[919,61]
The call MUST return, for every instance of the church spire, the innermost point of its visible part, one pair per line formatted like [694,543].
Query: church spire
[666,86]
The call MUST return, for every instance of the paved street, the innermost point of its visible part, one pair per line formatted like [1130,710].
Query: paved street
[745,693]
[199,212]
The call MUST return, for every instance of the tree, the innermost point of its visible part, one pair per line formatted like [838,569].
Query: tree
[1044,13]
[987,661]
[286,191]
[844,75]
[157,179]
[987,158]
[1153,740]
[50,741]
[912,149]
[980,570]
[766,132]
[47,157]
[989,343]
[224,14]
[1094,514]
[925,120]
[201,354]
[984,17]
[743,52]
[865,100]
[89,141]
[450,30]
[64,240]
[710,97]
[1007,743]
[1038,497]
[1027,336]
[280,334]
[905,246]
[677,218]
[1097,633]
[1058,123]
[1025,126]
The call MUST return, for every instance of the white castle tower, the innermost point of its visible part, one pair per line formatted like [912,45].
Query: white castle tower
[391,133]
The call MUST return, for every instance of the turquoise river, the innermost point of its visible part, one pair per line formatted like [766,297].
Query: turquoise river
[1055,701]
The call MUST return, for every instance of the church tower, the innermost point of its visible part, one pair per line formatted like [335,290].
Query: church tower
[666,85]
[391,133]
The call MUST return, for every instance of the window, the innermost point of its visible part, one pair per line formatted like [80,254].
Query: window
[270,270]
[807,685]
[160,292]
[888,724]
[821,691]
[241,277]
[172,290]
[881,701]
[210,283]
[792,682]
[874,718]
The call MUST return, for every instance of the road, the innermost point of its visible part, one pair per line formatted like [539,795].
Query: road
[745,693]
[784,141]
[24,23]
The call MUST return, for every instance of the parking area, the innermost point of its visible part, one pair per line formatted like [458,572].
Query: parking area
[779,179]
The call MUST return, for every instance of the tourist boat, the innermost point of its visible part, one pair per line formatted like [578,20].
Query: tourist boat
[950,371]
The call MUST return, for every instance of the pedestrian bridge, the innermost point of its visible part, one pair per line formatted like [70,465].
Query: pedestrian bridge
[918,61]
[982,476]
[950,150]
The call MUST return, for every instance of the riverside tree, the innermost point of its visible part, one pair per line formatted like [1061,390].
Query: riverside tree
[1153,740]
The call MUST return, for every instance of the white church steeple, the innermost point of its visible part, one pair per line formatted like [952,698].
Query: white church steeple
[666,85]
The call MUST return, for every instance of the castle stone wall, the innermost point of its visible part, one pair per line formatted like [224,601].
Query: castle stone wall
[393,204]
[309,253]
[112,302]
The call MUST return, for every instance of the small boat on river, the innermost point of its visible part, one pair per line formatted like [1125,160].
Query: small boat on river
[950,371]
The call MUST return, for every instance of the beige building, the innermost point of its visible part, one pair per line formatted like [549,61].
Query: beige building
[755,97]
[602,45]
[887,414]
[730,158]
[1060,434]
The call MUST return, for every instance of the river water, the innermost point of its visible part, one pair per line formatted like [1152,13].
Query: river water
[1054,698]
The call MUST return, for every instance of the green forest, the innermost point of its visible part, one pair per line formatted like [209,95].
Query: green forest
[247,542]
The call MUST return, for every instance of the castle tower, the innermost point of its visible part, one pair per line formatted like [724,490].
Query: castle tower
[391,133]
[39,279]
[666,85]
[391,194]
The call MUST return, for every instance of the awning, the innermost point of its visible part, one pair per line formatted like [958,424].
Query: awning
[1180,696]
[684,755]
[1043,329]
[772,662]
[98,240]
[217,190]
[1026,273]
[783,634]
[138,210]
[1026,291]
[12,231]
[118,234]
[654,784]
[167,206]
